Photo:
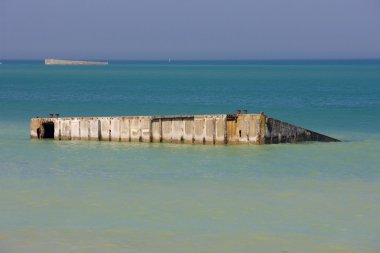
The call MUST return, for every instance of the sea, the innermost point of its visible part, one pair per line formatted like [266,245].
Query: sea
[103,197]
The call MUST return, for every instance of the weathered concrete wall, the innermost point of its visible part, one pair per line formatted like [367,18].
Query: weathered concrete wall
[198,129]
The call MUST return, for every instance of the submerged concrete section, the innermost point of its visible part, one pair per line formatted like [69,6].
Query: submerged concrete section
[196,129]
[70,62]
[277,131]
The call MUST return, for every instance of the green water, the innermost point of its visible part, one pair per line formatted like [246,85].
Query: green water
[78,196]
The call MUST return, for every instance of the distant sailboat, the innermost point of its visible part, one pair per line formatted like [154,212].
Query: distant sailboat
[170,60]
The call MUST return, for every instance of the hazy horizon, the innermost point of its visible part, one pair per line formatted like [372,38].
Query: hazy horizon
[197,30]
[198,60]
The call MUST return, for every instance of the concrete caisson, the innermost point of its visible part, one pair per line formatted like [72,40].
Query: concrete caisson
[197,129]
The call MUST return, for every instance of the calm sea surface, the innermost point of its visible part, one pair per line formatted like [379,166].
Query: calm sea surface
[79,196]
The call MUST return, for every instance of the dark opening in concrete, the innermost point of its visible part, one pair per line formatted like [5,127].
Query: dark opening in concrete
[48,132]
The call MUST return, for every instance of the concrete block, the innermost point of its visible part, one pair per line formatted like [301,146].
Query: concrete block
[156,130]
[209,130]
[34,125]
[220,129]
[166,130]
[75,131]
[94,129]
[125,129]
[115,129]
[56,129]
[66,129]
[254,129]
[145,129]
[199,129]
[177,130]
[242,128]
[188,132]
[135,125]
[84,125]
[105,128]
[231,131]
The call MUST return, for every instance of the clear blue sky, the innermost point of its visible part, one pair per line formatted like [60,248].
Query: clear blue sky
[189,29]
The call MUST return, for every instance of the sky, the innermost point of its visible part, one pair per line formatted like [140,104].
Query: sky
[190,29]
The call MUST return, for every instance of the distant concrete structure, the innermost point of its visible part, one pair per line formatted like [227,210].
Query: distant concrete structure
[69,62]
[195,129]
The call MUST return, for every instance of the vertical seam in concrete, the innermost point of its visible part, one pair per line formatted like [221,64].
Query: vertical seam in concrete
[150,130]
[225,130]
[183,130]
[59,130]
[88,130]
[30,128]
[273,126]
[171,131]
[129,130]
[193,131]
[99,130]
[55,126]
[181,139]
[140,131]
[204,130]
[70,138]
[262,129]
[80,137]
[120,119]
[109,130]
[247,130]
[214,131]
[160,124]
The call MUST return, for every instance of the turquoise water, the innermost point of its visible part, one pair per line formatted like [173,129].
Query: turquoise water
[78,196]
